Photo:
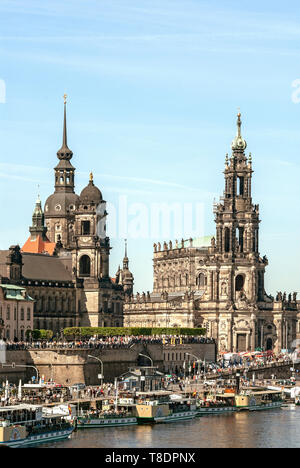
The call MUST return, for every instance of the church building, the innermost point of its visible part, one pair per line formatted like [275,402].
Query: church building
[220,286]
[64,264]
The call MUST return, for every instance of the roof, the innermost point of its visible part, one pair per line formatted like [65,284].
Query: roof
[46,267]
[41,267]
[38,246]
[13,292]
[91,194]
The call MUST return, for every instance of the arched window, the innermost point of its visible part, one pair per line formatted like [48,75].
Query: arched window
[269,344]
[239,283]
[201,280]
[85,266]
[241,185]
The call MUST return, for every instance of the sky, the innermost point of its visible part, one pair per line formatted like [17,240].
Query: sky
[153,91]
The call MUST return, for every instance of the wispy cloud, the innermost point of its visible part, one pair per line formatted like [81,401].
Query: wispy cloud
[17,171]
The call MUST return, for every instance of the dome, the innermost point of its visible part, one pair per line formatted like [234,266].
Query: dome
[91,193]
[59,203]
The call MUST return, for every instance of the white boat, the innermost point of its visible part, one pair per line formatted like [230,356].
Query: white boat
[165,410]
[25,425]
[258,400]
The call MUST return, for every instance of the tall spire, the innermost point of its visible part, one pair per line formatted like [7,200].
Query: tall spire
[125,260]
[239,144]
[64,153]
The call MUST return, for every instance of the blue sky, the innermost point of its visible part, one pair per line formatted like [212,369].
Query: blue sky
[153,90]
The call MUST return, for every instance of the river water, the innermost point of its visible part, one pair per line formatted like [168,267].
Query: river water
[266,429]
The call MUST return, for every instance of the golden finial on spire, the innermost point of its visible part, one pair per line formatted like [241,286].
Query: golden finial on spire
[239,143]
[91,177]
[65,98]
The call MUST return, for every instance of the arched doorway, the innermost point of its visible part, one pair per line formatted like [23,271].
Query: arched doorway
[269,344]
[85,266]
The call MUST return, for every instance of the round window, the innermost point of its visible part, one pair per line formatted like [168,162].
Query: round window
[57,208]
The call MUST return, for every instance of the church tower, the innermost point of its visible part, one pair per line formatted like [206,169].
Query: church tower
[91,260]
[60,207]
[38,228]
[125,277]
[237,227]
[92,245]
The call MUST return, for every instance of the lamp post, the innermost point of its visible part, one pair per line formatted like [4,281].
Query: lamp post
[148,357]
[101,368]
[32,367]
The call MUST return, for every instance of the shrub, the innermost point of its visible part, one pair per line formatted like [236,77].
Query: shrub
[127,331]
[39,334]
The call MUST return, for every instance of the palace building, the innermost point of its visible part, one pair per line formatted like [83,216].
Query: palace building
[64,264]
[219,284]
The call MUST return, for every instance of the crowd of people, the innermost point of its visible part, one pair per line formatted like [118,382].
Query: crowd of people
[52,394]
[111,342]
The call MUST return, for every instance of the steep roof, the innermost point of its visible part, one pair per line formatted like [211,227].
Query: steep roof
[38,246]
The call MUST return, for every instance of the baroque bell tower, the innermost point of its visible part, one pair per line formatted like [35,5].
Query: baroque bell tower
[60,207]
[237,227]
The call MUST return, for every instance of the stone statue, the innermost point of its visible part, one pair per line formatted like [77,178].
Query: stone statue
[294,296]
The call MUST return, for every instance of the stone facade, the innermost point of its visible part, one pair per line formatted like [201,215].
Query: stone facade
[176,355]
[220,286]
[16,312]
